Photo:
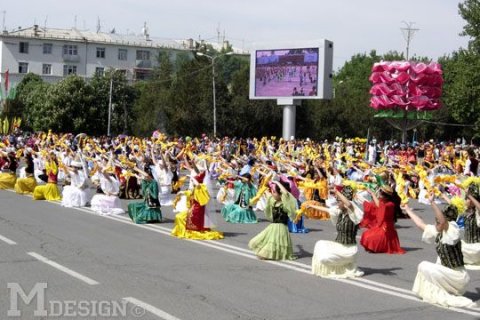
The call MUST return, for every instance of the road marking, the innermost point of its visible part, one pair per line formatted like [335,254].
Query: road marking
[292,265]
[7,241]
[145,306]
[63,269]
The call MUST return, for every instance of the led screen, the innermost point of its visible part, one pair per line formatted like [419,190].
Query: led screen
[286,72]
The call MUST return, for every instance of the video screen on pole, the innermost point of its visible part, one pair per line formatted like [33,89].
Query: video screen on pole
[286,73]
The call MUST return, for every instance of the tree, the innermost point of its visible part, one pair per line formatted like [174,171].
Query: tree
[469,10]
[123,98]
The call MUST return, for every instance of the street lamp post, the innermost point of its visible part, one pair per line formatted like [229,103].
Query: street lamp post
[212,59]
[110,106]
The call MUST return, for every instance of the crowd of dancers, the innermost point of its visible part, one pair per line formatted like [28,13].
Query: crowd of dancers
[357,185]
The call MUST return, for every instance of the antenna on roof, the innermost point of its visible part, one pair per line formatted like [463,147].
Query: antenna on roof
[45,24]
[99,26]
[75,22]
[145,31]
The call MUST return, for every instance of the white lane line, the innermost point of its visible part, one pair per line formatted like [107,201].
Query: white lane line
[303,268]
[7,241]
[145,306]
[63,269]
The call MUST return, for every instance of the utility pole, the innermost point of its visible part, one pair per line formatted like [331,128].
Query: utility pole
[408,33]
[3,21]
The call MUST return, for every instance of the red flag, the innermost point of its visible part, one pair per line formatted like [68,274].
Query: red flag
[6,81]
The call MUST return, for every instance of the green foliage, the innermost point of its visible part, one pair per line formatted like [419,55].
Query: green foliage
[469,10]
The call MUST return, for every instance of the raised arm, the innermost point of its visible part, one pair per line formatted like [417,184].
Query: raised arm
[441,222]
[474,201]
[374,197]
[344,199]
[415,218]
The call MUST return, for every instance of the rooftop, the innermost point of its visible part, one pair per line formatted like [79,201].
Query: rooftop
[98,37]
[137,40]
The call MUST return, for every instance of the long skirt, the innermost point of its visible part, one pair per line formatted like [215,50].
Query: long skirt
[273,243]
[7,180]
[180,230]
[139,212]
[106,205]
[233,213]
[25,185]
[74,197]
[381,240]
[48,191]
[335,260]
[471,255]
[438,284]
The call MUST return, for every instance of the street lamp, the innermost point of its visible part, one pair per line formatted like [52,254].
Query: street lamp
[110,105]
[212,59]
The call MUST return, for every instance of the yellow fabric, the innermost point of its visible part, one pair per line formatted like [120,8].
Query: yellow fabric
[200,194]
[7,180]
[180,230]
[51,167]
[25,185]
[48,191]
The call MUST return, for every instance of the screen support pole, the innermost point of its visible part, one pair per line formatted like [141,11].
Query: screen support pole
[289,111]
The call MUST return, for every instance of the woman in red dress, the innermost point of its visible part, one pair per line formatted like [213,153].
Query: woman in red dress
[379,218]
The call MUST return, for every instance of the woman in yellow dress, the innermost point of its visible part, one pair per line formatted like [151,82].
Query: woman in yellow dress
[190,224]
[8,165]
[50,190]
[316,193]
[26,185]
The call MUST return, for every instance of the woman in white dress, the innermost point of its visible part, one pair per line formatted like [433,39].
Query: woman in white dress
[471,240]
[108,203]
[75,194]
[445,281]
[337,259]
[163,176]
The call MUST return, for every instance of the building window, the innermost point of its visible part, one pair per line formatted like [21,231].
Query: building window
[47,69]
[99,71]
[47,48]
[69,69]
[23,48]
[22,67]
[70,50]
[122,54]
[143,55]
[101,53]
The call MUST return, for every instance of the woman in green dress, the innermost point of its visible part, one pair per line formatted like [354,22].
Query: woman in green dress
[274,242]
[241,211]
[147,211]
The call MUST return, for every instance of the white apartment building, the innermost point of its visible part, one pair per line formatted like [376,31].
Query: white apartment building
[56,53]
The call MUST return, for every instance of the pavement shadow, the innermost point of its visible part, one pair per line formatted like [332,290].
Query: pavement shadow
[384,271]
[411,249]
[314,229]
[475,296]
[402,227]
[233,234]
[302,253]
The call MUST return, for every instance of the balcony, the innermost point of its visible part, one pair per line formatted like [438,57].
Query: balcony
[71,58]
[144,64]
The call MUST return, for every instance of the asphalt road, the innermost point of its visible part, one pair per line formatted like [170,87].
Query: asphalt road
[111,261]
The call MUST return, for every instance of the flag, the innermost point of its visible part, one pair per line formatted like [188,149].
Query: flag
[6,81]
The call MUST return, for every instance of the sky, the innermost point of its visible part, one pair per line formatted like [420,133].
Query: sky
[355,26]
